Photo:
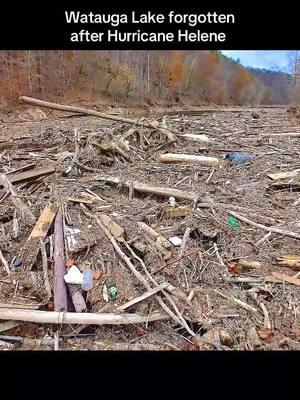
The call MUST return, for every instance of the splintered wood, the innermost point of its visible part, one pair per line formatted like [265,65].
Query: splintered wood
[142,187]
[40,230]
[174,234]
[116,230]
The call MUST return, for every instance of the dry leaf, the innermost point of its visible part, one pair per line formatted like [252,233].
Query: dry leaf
[97,275]
[234,268]
[264,333]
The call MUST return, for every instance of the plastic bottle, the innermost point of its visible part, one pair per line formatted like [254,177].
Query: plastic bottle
[87,278]
[238,157]
[232,222]
[113,292]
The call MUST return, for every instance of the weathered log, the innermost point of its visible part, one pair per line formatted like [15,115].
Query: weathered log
[142,187]
[61,107]
[188,158]
[60,289]
[53,317]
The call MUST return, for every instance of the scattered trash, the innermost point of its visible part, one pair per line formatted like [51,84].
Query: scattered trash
[74,276]
[175,240]
[87,278]
[176,212]
[72,237]
[232,222]
[172,201]
[238,158]
[113,292]
[139,244]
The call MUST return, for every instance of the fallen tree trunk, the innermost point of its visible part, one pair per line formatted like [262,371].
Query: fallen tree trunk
[60,289]
[142,187]
[188,158]
[61,107]
[53,317]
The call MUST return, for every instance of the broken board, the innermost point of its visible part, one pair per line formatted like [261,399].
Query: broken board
[40,230]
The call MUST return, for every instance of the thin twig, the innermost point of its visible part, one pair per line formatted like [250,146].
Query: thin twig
[45,268]
[266,228]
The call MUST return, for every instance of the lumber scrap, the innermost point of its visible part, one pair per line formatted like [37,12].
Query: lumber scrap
[116,230]
[60,289]
[30,175]
[188,158]
[39,232]
[162,244]
[54,317]
[284,175]
[144,188]
[195,138]
[292,262]
[74,109]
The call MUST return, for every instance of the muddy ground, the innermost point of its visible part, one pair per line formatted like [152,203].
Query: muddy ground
[232,304]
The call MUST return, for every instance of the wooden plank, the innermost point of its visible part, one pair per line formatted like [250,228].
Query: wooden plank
[40,230]
[284,175]
[31,175]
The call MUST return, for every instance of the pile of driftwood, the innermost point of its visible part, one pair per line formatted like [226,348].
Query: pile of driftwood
[172,302]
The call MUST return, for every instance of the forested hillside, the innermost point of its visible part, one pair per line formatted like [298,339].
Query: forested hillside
[278,82]
[192,77]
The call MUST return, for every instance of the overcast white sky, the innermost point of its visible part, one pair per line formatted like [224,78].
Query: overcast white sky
[269,59]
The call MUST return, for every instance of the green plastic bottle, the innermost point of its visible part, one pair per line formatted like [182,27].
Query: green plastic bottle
[113,292]
[232,222]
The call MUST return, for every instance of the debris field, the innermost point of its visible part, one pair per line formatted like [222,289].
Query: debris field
[188,218]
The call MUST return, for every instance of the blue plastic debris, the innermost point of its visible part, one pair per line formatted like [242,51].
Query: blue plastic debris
[236,157]
[17,263]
